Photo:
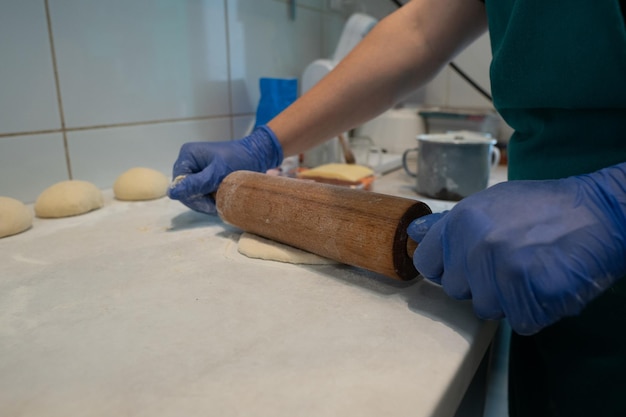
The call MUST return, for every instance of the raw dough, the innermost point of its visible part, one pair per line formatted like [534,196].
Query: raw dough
[254,246]
[68,198]
[177,180]
[138,184]
[15,217]
[344,172]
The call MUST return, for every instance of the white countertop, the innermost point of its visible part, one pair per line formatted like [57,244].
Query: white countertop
[147,308]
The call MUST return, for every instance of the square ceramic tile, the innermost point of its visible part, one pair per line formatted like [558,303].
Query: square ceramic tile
[463,95]
[30,164]
[436,90]
[265,42]
[332,28]
[242,126]
[474,61]
[140,60]
[28,100]
[313,4]
[101,155]
[376,8]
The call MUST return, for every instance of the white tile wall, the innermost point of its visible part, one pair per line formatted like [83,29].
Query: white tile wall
[437,93]
[449,89]
[138,78]
[378,9]
[316,4]
[28,100]
[129,61]
[100,155]
[332,26]
[243,125]
[474,61]
[264,42]
[29,164]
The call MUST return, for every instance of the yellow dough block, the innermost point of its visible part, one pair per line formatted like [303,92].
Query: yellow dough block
[343,172]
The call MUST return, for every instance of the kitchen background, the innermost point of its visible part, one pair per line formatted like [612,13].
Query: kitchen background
[91,88]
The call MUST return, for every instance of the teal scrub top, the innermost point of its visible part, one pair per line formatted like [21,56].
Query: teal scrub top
[558,78]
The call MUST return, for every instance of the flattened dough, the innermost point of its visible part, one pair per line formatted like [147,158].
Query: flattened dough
[344,172]
[68,198]
[139,184]
[254,246]
[15,217]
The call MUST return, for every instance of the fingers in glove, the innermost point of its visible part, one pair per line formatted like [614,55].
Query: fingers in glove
[486,302]
[188,159]
[419,227]
[200,184]
[203,204]
[428,257]
[190,190]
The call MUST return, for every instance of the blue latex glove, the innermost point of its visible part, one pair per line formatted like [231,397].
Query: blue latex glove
[206,164]
[531,251]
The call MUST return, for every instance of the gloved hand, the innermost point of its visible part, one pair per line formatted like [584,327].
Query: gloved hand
[206,164]
[530,251]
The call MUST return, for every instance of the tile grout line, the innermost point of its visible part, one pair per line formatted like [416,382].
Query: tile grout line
[58,90]
[116,125]
[27,133]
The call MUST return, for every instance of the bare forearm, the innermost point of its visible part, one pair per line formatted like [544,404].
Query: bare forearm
[400,54]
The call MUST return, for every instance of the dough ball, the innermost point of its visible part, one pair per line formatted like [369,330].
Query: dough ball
[139,184]
[254,246]
[68,198]
[15,217]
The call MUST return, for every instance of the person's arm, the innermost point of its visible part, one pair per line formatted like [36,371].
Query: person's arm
[401,53]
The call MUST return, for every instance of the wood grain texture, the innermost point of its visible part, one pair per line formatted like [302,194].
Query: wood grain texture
[355,227]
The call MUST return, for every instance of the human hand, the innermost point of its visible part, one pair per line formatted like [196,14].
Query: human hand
[531,251]
[201,166]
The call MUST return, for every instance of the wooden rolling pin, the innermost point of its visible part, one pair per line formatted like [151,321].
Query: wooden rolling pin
[356,227]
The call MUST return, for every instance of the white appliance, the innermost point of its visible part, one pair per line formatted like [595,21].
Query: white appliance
[395,130]
[357,26]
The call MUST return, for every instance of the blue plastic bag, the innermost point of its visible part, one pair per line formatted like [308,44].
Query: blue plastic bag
[276,95]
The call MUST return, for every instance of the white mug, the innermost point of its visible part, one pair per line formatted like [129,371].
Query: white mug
[454,165]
